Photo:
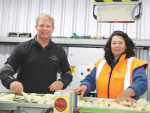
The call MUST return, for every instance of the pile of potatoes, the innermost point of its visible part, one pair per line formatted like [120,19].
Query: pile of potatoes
[7,97]
[30,98]
[141,105]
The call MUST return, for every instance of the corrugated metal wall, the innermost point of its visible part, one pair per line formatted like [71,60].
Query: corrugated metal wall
[70,16]
[5,51]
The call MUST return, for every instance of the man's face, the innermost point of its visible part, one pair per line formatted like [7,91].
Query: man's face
[44,29]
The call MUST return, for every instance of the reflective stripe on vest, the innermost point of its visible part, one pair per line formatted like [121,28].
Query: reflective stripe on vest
[127,76]
[99,68]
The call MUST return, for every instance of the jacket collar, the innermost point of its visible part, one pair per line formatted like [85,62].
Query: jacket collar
[122,57]
[112,63]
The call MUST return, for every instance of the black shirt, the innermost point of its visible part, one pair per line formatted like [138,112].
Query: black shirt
[37,66]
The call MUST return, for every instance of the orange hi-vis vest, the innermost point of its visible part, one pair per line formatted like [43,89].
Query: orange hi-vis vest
[120,78]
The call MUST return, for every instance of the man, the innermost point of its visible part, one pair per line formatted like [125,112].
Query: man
[37,62]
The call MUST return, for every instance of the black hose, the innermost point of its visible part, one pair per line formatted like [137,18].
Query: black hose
[49,110]
[93,12]
[137,17]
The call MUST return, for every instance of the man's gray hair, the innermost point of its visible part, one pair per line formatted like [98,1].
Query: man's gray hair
[45,16]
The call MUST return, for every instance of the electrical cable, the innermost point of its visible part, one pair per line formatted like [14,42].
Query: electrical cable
[49,110]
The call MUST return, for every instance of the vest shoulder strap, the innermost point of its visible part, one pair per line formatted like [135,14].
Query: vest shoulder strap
[128,71]
[100,66]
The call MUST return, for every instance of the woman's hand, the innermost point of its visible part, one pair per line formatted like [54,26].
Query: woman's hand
[126,96]
[80,90]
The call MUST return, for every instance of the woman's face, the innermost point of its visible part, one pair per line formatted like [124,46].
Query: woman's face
[118,46]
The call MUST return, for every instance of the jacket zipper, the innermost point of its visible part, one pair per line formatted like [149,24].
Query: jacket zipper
[109,83]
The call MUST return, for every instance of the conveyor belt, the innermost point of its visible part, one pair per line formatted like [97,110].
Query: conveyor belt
[94,110]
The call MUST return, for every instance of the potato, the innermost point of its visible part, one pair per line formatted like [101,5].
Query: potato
[141,102]
[33,94]
[88,104]
[102,105]
[49,100]
[148,107]
[4,99]
[49,96]
[123,103]
[20,97]
[36,99]
[141,108]
[49,103]
[39,97]
[107,103]
[132,108]
[11,97]
[40,102]
[101,100]
[95,104]
[81,103]
[2,94]
[113,105]
[29,98]
[118,106]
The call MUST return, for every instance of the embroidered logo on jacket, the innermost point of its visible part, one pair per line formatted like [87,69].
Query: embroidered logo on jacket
[52,57]
[119,71]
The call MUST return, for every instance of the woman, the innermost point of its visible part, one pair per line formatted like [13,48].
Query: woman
[118,75]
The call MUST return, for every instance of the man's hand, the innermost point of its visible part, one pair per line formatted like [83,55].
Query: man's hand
[55,86]
[16,87]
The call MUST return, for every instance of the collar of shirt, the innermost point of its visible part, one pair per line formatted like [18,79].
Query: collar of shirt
[114,63]
[36,42]
[36,39]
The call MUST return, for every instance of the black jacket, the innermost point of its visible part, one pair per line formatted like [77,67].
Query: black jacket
[37,66]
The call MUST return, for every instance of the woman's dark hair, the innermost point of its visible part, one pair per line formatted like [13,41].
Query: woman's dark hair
[129,43]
